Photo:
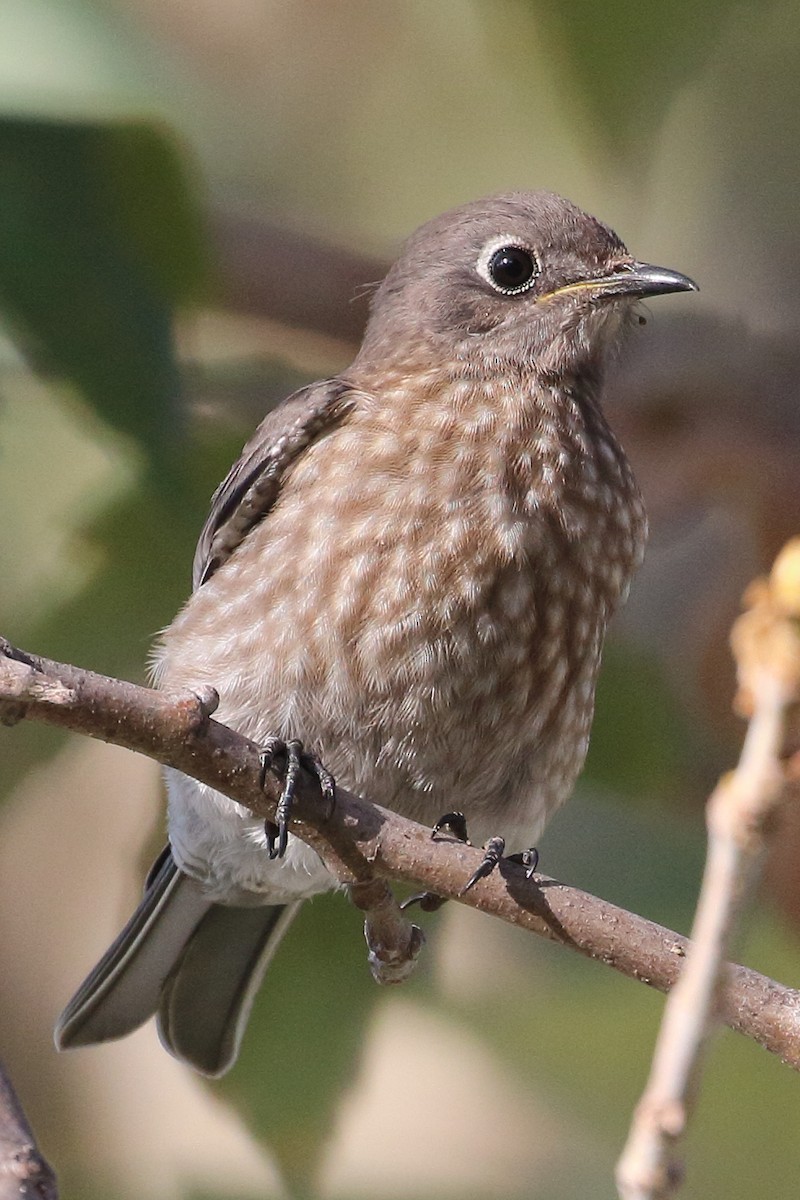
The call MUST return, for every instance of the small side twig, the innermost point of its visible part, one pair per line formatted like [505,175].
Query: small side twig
[766,642]
[393,942]
[24,1173]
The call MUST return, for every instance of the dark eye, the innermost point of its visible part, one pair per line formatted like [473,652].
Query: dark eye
[511,269]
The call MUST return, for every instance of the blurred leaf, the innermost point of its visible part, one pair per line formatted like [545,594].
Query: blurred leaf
[641,742]
[145,546]
[305,1036]
[145,549]
[626,60]
[141,546]
[583,1037]
[98,240]
[645,859]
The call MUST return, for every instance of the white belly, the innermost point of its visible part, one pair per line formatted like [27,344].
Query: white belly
[223,846]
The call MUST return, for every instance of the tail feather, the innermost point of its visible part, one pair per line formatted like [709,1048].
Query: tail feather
[196,964]
[206,1001]
[123,990]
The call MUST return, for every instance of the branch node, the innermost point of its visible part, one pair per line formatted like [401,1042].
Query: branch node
[23,684]
[193,708]
[394,943]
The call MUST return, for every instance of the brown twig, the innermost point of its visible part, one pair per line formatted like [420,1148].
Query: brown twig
[766,642]
[24,1173]
[360,841]
[264,269]
[393,942]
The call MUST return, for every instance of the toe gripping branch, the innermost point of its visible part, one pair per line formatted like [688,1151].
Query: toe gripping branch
[454,825]
[492,856]
[295,757]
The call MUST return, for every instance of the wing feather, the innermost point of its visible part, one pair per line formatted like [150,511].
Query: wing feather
[253,484]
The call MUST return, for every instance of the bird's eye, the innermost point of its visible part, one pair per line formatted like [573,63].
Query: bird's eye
[511,269]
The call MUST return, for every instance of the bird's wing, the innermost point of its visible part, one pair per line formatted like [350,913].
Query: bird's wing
[253,484]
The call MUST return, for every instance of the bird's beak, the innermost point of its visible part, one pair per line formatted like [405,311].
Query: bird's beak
[632,279]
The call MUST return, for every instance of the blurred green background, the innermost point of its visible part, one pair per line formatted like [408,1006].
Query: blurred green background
[191,194]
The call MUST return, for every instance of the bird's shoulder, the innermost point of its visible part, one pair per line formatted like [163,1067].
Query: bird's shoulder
[253,484]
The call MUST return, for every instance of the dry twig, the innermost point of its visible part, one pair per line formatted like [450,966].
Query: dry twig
[766,643]
[360,841]
[24,1173]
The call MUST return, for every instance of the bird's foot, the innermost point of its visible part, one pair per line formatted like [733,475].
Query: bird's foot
[295,757]
[454,825]
[529,859]
[428,901]
[493,853]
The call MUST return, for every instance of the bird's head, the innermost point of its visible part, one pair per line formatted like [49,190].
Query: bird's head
[522,281]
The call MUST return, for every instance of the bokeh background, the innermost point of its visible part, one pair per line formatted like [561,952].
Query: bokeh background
[192,195]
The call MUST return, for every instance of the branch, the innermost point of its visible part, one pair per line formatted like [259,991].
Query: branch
[766,642]
[24,1173]
[362,843]
[263,269]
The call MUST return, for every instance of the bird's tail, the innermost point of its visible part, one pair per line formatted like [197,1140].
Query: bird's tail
[195,964]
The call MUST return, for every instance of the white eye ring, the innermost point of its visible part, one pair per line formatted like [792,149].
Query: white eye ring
[508,265]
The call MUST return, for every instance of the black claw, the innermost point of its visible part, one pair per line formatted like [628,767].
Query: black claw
[284,810]
[428,901]
[266,755]
[493,852]
[454,823]
[271,830]
[277,849]
[277,831]
[327,784]
[529,859]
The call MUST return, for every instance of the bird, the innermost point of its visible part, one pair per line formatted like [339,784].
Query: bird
[407,574]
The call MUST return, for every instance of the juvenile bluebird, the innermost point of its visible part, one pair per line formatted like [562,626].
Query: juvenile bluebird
[409,571]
